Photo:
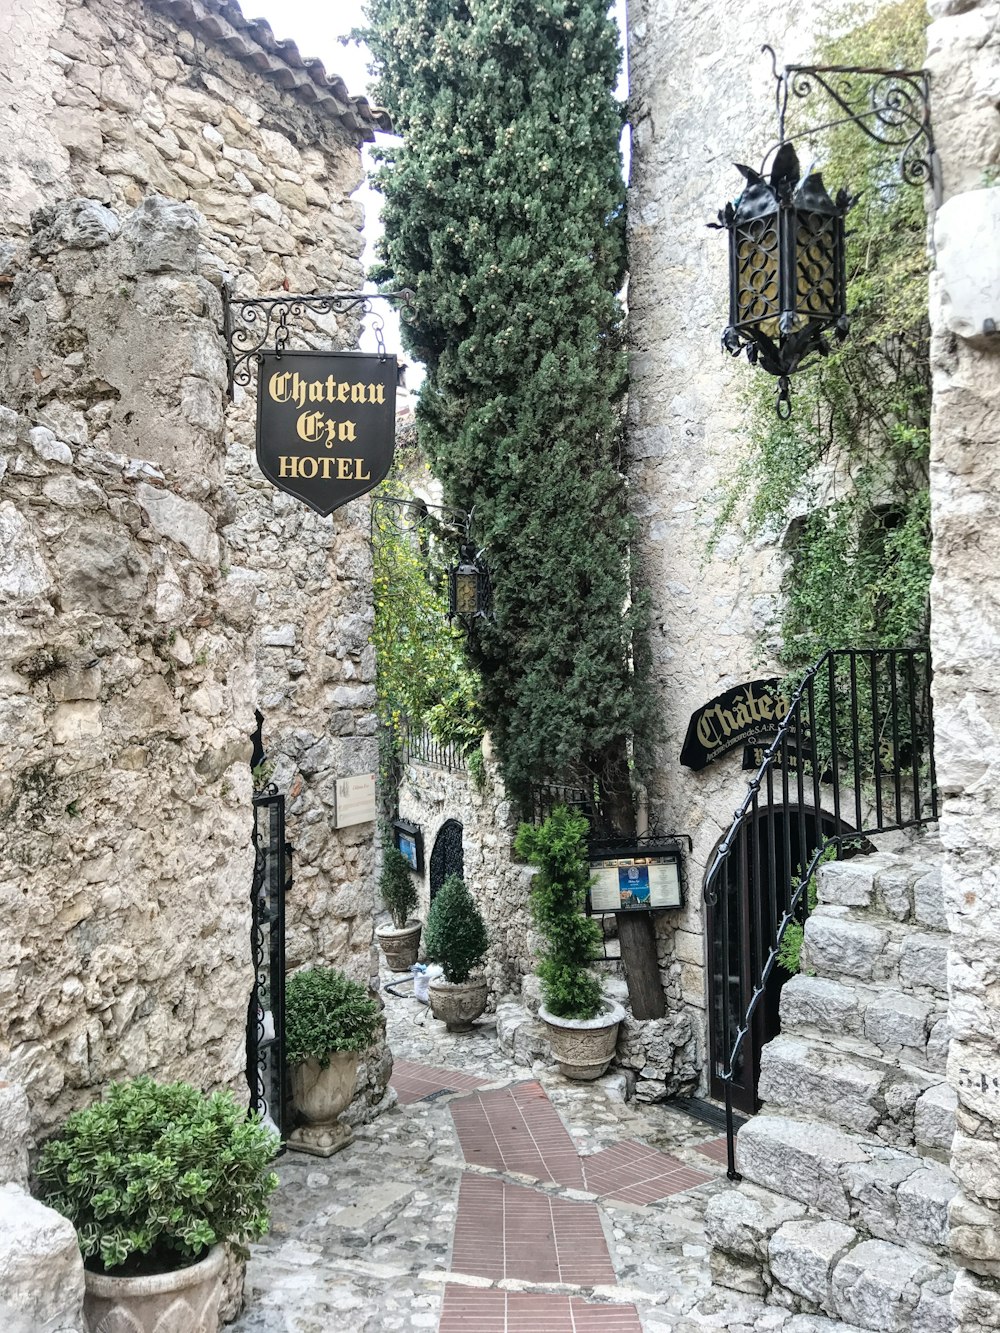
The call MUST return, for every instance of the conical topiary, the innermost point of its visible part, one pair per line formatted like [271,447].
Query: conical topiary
[399,893]
[455,935]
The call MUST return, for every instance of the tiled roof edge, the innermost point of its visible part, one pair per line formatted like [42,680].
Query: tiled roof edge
[252,42]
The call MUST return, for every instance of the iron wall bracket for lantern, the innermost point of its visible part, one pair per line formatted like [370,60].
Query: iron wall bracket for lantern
[251,324]
[787,279]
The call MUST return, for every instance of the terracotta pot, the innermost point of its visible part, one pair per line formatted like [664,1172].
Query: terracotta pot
[320,1096]
[187,1298]
[400,946]
[583,1048]
[457,1003]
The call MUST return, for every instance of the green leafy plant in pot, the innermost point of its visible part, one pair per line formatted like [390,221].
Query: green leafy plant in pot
[457,939]
[328,1019]
[156,1177]
[582,1023]
[401,941]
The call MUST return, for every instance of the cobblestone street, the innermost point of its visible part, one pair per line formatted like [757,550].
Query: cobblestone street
[493,1197]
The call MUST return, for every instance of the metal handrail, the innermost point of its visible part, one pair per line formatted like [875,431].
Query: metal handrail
[898,703]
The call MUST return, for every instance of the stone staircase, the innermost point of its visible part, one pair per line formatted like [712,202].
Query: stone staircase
[842,1213]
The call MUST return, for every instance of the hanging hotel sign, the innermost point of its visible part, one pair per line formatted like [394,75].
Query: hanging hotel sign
[325,423]
[742,716]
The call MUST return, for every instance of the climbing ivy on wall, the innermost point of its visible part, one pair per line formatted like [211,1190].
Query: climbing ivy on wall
[504,213]
[850,466]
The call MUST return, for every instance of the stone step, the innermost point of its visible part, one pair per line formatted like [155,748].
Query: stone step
[904,888]
[822,1079]
[908,1029]
[838,1279]
[878,953]
[882,1191]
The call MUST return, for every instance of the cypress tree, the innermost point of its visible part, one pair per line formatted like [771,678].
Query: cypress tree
[504,214]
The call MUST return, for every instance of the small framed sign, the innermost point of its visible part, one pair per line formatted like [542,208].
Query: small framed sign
[639,876]
[410,841]
[355,800]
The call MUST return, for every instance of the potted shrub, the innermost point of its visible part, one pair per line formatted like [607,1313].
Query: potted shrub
[456,938]
[582,1023]
[328,1020]
[156,1178]
[400,941]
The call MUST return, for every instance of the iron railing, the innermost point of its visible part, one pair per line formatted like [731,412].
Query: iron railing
[422,748]
[852,757]
[267,1076]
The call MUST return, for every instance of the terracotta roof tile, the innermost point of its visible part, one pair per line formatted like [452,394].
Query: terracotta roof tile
[253,42]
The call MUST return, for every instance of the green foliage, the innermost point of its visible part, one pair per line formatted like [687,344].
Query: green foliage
[853,456]
[455,935]
[155,1174]
[326,1012]
[504,215]
[790,944]
[422,676]
[475,763]
[558,899]
[399,893]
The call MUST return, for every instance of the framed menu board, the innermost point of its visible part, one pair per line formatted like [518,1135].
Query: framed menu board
[638,877]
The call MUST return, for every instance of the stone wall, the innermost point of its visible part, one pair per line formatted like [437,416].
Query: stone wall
[156,590]
[429,796]
[701,98]
[964,60]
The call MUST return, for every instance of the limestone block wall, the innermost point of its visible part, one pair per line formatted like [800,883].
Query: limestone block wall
[701,98]
[124,855]
[429,796]
[159,590]
[964,60]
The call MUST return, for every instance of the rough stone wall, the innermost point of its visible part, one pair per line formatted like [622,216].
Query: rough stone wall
[429,796]
[156,588]
[964,60]
[701,97]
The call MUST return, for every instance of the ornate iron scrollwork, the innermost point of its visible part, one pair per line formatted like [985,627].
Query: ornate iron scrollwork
[251,324]
[272,874]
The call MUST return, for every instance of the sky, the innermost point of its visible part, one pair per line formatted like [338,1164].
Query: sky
[317,26]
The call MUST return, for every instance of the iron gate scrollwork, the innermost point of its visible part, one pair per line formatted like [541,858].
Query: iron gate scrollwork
[448,856]
[272,877]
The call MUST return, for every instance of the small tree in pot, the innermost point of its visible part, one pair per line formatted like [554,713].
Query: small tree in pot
[582,1022]
[328,1020]
[155,1178]
[401,941]
[457,939]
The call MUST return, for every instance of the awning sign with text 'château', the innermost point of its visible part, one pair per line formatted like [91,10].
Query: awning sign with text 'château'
[325,424]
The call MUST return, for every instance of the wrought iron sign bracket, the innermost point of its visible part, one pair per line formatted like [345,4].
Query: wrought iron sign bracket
[251,324]
[890,106]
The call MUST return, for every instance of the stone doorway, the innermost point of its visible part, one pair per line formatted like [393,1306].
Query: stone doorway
[740,928]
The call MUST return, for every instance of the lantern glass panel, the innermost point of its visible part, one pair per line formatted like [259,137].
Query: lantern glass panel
[816,265]
[466,590]
[757,276]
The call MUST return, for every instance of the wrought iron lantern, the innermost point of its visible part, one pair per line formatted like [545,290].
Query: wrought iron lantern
[468,586]
[787,281]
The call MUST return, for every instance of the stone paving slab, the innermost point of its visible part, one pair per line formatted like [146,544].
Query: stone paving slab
[511,1231]
[413,1081]
[517,1129]
[470,1311]
[634,1173]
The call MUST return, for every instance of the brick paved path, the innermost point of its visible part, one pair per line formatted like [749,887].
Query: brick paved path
[494,1199]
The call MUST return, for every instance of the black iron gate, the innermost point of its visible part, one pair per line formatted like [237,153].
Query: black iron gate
[272,878]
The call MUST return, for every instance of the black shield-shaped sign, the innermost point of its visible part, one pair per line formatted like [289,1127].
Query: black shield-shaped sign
[326,424]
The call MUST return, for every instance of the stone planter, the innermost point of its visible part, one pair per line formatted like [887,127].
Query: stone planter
[320,1096]
[187,1298]
[400,946]
[583,1048]
[457,1003]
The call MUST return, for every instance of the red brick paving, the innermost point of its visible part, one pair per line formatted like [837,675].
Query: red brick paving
[513,1231]
[414,1081]
[715,1149]
[517,1129]
[468,1310]
[634,1173]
